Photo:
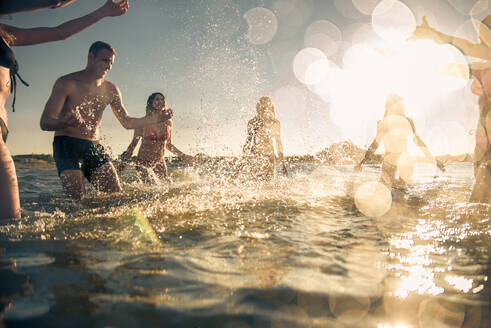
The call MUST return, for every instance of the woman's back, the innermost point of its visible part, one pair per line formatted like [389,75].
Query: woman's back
[264,132]
[396,131]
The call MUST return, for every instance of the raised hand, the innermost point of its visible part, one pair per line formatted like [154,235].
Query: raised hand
[165,115]
[112,8]
[423,31]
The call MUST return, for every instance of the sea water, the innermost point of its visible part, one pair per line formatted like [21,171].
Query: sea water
[233,252]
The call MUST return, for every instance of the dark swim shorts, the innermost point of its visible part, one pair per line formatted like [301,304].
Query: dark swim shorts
[78,154]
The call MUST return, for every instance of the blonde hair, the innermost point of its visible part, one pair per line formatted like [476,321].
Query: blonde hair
[394,105]
[265,105]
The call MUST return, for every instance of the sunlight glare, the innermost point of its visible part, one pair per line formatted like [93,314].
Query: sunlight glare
[373,199]
[349,309]
[393,21]
[262,25]
[449,138]
[469,7]
[469,30]
[365,6]
[439,313]
[324,35]
[317,72]
[305,58]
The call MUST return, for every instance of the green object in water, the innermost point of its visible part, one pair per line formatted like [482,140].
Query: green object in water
[136,217]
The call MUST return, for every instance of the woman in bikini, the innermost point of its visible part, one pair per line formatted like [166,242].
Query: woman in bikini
[13,36]
[263,136]
[481,73]
[395,130]
[155,139]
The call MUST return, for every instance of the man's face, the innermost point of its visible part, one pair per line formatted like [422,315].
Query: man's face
[102,62]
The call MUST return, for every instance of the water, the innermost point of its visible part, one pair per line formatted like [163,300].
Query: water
[293,252]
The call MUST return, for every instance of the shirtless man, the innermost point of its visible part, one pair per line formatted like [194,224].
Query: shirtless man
[74,110]
[481,73]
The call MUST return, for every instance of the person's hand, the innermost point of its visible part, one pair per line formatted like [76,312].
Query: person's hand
[165,115]
[72,117]
[424,31]
[285,171]
[112,8]
[440,165]
[190,160]
[125,156]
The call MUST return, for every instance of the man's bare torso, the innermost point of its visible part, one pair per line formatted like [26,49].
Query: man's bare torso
[89,99]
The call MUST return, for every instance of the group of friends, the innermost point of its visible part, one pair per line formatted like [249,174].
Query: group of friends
[75,107]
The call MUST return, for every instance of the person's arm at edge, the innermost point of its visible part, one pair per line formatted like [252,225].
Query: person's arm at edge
[11,7]
[50,120]
[30,36]
[476,50]
[129,122]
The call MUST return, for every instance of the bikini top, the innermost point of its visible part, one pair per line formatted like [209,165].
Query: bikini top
[151,134]
[7,59]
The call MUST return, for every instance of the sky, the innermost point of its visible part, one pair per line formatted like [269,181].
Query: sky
[327,64]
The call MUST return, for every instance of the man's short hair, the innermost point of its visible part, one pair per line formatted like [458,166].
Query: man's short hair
[98,46]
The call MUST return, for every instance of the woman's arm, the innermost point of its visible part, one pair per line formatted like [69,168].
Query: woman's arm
[477,50]
[429,156]
[373,146]
[29,36]
[137,136]
[279,148]
[15,6]
[250,134]
[173,149]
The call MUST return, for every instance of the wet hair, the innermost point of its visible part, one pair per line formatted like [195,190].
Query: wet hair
[150,109]
[394,105]
[7,37]
[98,46]
[265,104]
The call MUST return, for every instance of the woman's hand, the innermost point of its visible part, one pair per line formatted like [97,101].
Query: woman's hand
[440,165]
[111,8]
[189,159]
[285,171]
[424,31]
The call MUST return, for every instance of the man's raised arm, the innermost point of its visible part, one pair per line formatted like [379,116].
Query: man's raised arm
[129,122]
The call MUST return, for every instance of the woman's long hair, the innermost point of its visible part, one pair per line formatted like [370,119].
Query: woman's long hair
[265,109]
[394,105]
[149,109]
[7,37]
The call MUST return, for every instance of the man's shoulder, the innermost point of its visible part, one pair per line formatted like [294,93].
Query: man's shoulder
[69,79]
[110,86]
